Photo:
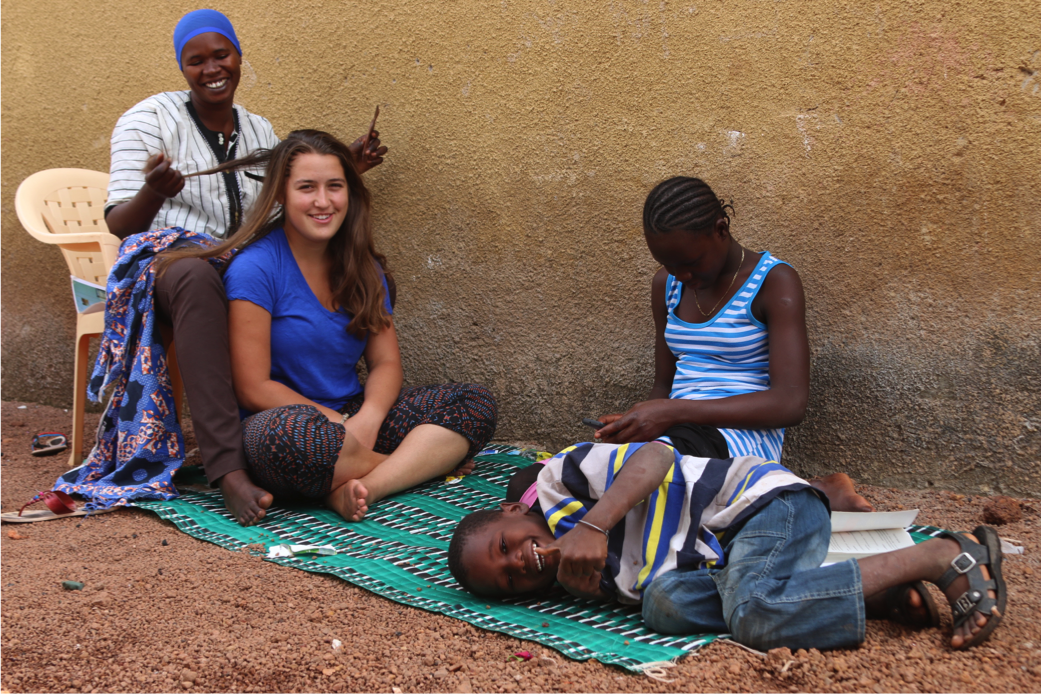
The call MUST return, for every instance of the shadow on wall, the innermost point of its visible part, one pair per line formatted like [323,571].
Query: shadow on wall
[899,419]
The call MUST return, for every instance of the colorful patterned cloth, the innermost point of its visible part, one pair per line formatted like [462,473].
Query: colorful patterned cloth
[469,409]
[292,450]
[139,443]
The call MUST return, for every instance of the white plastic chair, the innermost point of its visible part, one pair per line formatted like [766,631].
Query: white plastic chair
[66,208]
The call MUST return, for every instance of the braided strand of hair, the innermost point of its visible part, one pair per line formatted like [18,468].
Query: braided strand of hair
[683,202]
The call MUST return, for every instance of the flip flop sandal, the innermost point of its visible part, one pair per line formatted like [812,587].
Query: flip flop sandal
[49,443]
[896,599]
[976,599]
[59,505]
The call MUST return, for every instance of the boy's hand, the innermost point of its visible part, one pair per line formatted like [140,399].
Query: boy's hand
[582,552]
[576,573]
[588,587]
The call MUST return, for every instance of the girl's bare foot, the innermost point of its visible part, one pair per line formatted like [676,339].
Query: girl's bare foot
[839,489]
[349,500]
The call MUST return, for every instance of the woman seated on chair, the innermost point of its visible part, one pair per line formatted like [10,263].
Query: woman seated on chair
[154,144]
[308,298]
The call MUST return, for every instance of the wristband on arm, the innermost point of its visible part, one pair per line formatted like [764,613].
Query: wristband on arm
[591,525]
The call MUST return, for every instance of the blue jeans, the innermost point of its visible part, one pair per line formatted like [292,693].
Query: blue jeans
[772,591]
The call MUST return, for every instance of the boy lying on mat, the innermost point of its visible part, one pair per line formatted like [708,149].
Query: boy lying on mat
[716,546]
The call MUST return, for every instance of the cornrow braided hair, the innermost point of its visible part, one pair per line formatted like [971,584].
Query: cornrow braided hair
[685,203]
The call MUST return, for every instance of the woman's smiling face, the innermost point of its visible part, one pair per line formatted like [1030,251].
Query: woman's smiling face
[315,198]
[212,68]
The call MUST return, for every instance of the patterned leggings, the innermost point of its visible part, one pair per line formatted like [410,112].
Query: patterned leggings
[292,450]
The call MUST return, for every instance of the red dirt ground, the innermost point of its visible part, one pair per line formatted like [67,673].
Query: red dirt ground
[188,615]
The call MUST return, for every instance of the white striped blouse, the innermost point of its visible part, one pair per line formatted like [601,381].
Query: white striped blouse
[162,123]
[727,355]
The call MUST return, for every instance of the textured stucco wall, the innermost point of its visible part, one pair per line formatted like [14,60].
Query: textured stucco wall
[889,150]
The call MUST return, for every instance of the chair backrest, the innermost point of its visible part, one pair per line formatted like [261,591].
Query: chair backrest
[66,207]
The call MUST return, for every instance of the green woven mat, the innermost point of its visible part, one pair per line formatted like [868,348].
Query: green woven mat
[399,552]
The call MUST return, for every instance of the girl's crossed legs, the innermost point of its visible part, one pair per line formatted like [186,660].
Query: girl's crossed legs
[430,430]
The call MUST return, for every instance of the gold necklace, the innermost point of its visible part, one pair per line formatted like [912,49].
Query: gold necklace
[726,291]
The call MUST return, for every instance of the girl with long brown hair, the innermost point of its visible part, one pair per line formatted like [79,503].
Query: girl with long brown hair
[308,297]
[159,146]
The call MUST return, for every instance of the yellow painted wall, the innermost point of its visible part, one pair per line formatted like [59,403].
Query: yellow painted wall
[888,150]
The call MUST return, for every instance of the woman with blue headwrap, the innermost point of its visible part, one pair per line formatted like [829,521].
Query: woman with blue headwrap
[154,145]
[177,133]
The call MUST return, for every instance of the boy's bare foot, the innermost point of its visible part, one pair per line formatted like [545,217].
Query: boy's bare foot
[247,502]
[947,550]
[839,489]
[349,500]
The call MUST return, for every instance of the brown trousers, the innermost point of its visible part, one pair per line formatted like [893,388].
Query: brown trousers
[190,299]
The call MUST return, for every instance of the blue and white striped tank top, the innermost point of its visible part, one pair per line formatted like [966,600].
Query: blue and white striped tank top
[725,356]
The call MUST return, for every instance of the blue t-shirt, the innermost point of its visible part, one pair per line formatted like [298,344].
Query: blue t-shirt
[311,350]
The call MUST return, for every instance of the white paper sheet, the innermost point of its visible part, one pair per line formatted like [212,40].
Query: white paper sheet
[865,543]
[843,522]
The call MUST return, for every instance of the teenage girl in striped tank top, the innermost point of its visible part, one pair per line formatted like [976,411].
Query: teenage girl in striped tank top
[731,349]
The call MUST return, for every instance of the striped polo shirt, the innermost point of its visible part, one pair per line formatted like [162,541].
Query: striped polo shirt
[162,123]
[727,355]
[679,525]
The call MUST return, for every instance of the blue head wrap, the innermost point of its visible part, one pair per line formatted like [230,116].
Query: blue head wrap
[201,22]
